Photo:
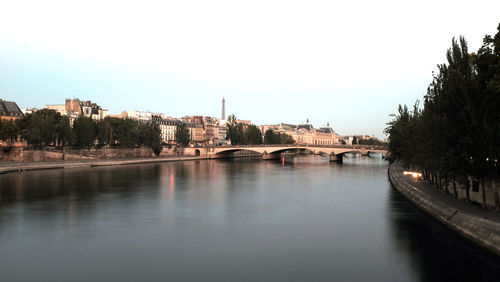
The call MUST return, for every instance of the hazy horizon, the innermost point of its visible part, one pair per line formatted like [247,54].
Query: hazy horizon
[347,64]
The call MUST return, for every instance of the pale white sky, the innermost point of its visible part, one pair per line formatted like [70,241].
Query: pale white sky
[347,63]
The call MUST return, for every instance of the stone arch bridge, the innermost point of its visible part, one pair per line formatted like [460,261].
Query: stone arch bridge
[336,153]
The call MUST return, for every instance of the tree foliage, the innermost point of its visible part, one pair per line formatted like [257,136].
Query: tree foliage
[48,127]
[8,130]
[235,131]
[45,127]
[85,132]
[253,136]
[242,135]
[272,137]
[457,131]
[182,134]
[371,141]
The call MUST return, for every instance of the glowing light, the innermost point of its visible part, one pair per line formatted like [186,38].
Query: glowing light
[172,183]
[414,174]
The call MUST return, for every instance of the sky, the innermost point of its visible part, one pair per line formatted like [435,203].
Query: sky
[346,63]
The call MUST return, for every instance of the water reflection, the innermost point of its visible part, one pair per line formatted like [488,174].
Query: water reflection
[236,220]
[435,253]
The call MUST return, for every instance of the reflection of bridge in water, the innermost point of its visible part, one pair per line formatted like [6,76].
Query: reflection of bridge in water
[268,152]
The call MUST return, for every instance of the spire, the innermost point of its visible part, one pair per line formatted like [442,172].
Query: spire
[223,116]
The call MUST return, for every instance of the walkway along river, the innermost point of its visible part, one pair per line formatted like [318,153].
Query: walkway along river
[474,223]
[226,220]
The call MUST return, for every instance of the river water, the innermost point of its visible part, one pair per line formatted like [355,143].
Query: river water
[234,220]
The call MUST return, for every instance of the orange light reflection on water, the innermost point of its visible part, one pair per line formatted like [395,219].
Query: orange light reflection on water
[172,183]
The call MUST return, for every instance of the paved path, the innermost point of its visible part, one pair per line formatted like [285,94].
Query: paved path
[7,167]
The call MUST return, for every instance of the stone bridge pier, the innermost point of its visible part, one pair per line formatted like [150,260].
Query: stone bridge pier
[271,156]
[336,157]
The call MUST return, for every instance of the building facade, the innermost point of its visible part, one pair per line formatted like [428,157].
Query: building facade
[10,110]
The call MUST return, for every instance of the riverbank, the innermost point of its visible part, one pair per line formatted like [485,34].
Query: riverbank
[474,223]
[9,167]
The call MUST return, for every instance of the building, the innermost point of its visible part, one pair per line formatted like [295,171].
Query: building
[58,108]
[10,110]
[138,115]
[264,128]
[168,128]
[196,132]
[209,124]
[87,108]
[28,111]
[74,108]
[306,134]
[220,134]
[325,136]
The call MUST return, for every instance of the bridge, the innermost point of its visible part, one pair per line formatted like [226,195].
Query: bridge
[336,153]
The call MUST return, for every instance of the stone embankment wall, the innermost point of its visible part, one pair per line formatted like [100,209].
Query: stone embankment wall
[483,232]
[19,154]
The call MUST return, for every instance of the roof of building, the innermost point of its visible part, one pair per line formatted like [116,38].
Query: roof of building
[287,125]
[306,126]
[10,108]
[326,129]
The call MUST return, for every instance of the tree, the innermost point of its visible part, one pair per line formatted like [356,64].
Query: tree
[271,137]
[45,127]
[182,134]
[64,132]
[127,132]
[106,131]
[286,139]
[150,135]
[456,134]
[354,140]
[84,132]
[235,131]
[8,130]
[253,136]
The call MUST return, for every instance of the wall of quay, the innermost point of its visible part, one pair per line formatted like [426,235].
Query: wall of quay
[483,232]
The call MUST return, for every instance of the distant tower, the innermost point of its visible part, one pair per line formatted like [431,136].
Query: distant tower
[223,117]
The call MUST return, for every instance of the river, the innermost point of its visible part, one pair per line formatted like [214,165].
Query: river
[226,220]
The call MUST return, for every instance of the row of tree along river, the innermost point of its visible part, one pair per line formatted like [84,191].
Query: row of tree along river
[454,139]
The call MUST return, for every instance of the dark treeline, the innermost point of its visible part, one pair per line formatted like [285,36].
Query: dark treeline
[371,141]
[456,134]
[251,134]
[271,137]
[48,127]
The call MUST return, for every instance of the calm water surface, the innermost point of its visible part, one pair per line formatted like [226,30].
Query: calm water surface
[238,220]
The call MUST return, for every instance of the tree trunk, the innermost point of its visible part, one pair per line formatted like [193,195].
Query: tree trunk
[446,185]
[483,191]
[497,201]
[455,188]
[467,190]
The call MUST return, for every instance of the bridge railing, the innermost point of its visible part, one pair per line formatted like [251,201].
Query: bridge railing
[304,146]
